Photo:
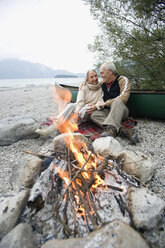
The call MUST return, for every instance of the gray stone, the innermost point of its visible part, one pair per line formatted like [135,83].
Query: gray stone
[144,207]
[116,234]
[20,237]
[17,128]
[25,173]
[136,164]
[107,146]
[11,205]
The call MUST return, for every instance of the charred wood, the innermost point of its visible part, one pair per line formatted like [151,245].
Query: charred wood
[122,204]
[130,179]
[114,187]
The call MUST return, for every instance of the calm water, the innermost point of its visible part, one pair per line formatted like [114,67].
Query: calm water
[6,84]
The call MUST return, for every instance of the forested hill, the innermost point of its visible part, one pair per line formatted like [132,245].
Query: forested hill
[14,68]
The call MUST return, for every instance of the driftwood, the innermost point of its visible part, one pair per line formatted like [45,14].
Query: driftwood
[40,191]
[40,155]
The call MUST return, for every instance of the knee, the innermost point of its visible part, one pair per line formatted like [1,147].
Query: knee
[117,102]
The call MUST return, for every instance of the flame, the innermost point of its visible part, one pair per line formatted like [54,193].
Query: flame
[62,174]
[83,156]
[62,96]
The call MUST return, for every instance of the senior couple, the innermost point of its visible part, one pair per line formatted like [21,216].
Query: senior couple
[104,102]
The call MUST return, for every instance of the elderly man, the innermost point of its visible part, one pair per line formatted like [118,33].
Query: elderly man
[116,93]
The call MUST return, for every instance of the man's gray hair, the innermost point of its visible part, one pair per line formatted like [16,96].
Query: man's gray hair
[110,66]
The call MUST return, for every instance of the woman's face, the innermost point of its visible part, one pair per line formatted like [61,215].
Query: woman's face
[92,77]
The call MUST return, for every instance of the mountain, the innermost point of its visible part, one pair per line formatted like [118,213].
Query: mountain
[14,68]
[65,76]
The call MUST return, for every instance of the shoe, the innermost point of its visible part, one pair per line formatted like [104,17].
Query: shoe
[109,131]
[129,133]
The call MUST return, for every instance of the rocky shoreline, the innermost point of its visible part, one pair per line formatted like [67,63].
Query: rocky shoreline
[38,103]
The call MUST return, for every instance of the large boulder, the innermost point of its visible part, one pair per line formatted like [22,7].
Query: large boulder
[107,146]
[136,164]
[144,207]
[116,234]
[17,128]
[10,208]
[21,236]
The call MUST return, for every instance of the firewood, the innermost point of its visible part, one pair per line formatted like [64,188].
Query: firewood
[92,179]
[86,207]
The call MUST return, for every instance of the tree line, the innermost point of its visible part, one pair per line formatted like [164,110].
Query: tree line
[133,36]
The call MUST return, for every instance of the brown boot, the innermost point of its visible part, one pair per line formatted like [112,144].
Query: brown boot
[109,131]
[129,133]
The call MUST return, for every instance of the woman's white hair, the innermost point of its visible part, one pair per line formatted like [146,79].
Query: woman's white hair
[110,66]
[87,74]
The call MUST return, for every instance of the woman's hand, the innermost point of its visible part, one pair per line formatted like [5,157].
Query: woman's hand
[90,109]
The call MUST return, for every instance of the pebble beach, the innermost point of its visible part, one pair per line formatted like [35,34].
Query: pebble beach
[38,102]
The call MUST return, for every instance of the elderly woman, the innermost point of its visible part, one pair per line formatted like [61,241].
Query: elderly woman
[90,94]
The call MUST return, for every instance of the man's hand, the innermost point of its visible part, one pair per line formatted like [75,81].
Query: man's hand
[102,105]
[90,109]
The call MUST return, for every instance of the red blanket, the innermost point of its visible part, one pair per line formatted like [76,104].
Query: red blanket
[93,130]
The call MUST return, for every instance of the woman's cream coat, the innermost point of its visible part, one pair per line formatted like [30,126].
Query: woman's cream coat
[89,94]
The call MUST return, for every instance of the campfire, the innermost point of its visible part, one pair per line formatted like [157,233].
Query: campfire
[79,191]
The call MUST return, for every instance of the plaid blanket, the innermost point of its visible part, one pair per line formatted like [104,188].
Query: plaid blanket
[92,130]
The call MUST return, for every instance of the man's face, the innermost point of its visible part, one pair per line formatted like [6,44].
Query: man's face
[105,74]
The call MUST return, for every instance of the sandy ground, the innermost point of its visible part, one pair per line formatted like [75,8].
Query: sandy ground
[38,102]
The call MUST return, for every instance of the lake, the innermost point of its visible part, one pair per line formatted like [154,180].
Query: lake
[6,84]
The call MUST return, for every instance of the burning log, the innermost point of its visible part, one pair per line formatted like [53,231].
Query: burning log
[41,189]
[72,197]
[91,200]
[92,179]
[86,207]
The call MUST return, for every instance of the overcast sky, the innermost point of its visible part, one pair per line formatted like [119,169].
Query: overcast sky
[51,32]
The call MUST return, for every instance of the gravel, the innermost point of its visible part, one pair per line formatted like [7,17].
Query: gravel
[38,102]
